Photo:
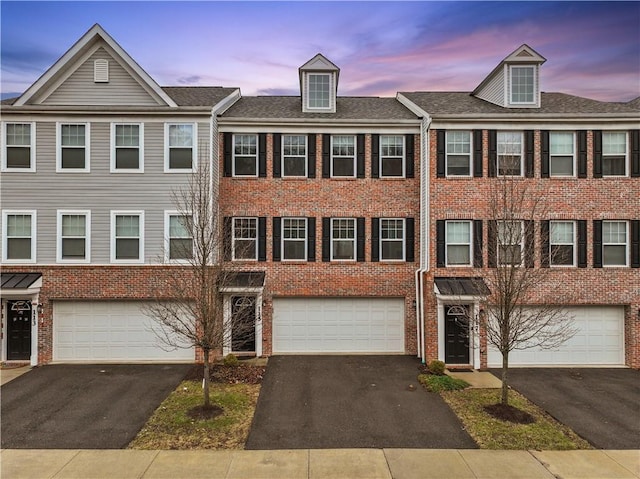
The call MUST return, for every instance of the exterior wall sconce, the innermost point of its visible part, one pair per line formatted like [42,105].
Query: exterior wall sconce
[413,303]
[40,308]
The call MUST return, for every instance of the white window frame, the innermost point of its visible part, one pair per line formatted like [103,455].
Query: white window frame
[167,148]
[32,147]
[533,84]
[233,238]
[626,154]
[447,244]
[304,157]
[354,240]
[354,158]
[34,222]
[114,148]
[283,240]
[87,148]
[522,243]
[141,227]
[319,108]
[626,244]
[573,244]
[402,158]
[498,143]
[233,156]
[167,237]
[87,236]
[403,240]
[573,155]
[446,154]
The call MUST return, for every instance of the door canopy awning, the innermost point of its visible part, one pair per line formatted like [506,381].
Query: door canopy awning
[470,286]
[19,282]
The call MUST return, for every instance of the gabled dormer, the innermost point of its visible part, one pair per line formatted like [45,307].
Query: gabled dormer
[319,85]
[515,82]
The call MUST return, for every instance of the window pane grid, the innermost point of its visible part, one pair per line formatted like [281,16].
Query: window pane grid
[509,242]
[614,143]
[319,91]
[19,226]
[392,239]
[127,226]
[18,134]
[180,136]
[245,234]
[343,234]
[509,150]
[522,84]
[73,136]
[128,135]
[73,225]
[458,242]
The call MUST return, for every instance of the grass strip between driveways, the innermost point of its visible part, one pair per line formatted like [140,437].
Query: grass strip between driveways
[490,433]
[171,428]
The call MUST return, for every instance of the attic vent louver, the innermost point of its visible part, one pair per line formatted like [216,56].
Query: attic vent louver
[101,71]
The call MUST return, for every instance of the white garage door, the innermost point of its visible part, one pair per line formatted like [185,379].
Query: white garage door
[107,331]
[599,341]
[338,325]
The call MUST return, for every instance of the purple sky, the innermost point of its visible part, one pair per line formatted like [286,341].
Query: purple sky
[592,48]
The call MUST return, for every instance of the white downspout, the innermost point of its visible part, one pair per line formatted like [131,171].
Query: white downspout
[424,223]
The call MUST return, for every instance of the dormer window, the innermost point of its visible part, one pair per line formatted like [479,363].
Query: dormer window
[319,90]
[523,84]
[319,85]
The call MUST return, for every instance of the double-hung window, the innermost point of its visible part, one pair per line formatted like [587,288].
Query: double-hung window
[245,239]
[522,84]
[510,242]
[614,243]
[294,155]
[614,153]
[245,155]
[343,156]
[392,238]
[561,153]
[73,147]
[19,236]
[458,243]
[343,239]
[458,153]
[19,147]
[127,236]
[180,147]
[562,239]
[319,91]
[127,146]
[179,242]
[294,239]
[392,156]
[74,236]
[509,150]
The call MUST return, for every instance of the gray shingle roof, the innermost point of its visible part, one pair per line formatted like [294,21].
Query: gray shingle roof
[197,95]
[347,108]
[462,103]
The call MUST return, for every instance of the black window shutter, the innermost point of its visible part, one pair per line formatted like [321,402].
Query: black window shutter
[634,136]
[544,167]
[493,152]
[545,252]
[326,239]
[262,239]
[311,155]
[597,153]
[582,244]
[582,154]
[277,228]
[228,146]
[528,153]
[410,234]
[326,156]
[635,243]
[227,237]
[262,155]
[410,158]
[360,156]
[492,241]
[477,153]
[375,239]
[441,261]
[477,244]
[360,239]
[440,155]
[529,241]
[375,156]
[597,243]
[311,239]
[277,157]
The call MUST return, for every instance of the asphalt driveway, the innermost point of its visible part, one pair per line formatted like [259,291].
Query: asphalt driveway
[601,405]
[313,402]
[83,406]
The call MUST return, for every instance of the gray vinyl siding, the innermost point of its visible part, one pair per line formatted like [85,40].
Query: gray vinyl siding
[99,190]
[493,91]
[80,89]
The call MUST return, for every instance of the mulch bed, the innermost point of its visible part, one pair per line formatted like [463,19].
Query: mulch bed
[202,412]
[506,412]
[243,373]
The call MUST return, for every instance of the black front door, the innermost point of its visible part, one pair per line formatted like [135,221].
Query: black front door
[456,331]
[18,330]
[243,326]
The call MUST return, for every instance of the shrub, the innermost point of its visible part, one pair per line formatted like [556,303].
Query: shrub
[436,367]
[231,360]
[436,384]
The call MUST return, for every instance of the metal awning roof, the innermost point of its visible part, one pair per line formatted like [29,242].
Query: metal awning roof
[450,286]
[245,279]
[18,280]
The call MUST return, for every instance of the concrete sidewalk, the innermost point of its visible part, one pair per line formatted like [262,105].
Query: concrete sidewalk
[320,464]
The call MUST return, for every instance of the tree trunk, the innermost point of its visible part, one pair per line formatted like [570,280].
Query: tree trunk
[207,399]
[504,399]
